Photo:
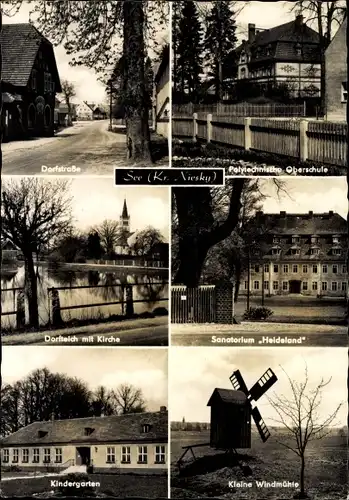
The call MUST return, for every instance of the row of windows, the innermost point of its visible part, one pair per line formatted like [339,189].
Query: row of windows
[159,458]
[304,268]
[334,286]
[298,239]
[312,251]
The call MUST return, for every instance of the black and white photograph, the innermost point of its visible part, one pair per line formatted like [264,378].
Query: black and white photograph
[88,423]
[260,261]
[260,88]
[83,262]
[258,423]
[85,86]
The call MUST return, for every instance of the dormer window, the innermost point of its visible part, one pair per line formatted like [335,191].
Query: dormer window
[298,49]
[337,251]
[335,239]
[275,251]
[314,240]
[295,251]
[296,239]
[42,434]
[146,428]
[276,239]
[314,251]
[88,431]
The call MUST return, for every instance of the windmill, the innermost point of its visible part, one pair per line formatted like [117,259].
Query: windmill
[231,412]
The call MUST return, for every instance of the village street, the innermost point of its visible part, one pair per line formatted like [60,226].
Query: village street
[87,145]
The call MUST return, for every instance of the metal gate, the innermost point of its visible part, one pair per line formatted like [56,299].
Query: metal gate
[193,305]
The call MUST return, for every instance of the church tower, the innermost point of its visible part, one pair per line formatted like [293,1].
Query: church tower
[125,218]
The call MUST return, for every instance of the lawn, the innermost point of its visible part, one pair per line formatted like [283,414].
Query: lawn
[325,474]
[298,309]
[112,485]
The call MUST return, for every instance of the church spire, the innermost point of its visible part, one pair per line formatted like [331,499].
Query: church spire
[125,218]
[124,211]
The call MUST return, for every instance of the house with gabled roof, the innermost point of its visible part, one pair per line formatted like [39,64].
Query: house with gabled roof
[84,111]
[336,76]
[29,80]
[134,442]
[285,54]
[302,254]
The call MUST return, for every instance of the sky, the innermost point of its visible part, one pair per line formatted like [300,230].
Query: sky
[87,86]
[97,199]
[196,372]
[107,366]
[304,194]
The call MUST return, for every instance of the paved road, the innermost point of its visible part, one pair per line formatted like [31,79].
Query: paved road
[87,145]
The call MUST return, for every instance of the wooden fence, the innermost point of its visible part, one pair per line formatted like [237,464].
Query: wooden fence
[318,141]
[193,305]
[242,109]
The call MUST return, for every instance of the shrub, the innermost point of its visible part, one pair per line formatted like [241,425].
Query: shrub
[82,490]
[257,313]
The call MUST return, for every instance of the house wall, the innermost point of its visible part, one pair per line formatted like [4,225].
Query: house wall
[282,276]
[336,74]
[98,457]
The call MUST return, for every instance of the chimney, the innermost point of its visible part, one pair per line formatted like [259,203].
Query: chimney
[251,32]
[311,213]
[163,409]
[299,21]
[283,213]
[330,213]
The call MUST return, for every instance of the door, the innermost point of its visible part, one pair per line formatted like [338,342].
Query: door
[83,455]
[295,286]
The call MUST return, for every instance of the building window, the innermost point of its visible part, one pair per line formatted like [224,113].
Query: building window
[34,79]
[337,251]
[243,72]
[295,268]
[146,428]
[296,239]
[314,285]
[266,285]
[344,92]
[125,454]
[256,285]
[304,286]
[15,456]
[314,251]
[295,251]
[88,431]
[275,285]
[110,455]
[334,286]
[142,454]
[58,455]
[285,286]
[325,269]
[315,269]
[314,239]
[285,268]
[305,268]
[276,251]
[48,83]
[276,268]
[344,269]
[25,455]
[6,456]
[47,455]
[36,455]
[266,268]
[243,57]
[256,269]
[335,269]
[324,286]
[276,239]
[245,285]
[160,456]
[344,286]
[335,239]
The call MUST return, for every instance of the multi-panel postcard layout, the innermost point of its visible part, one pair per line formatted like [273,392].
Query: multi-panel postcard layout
[174,249]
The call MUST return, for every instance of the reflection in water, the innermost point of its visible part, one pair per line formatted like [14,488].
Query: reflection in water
[150,286]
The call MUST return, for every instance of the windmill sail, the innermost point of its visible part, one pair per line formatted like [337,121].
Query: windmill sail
[238,382]
[263,384]
[262,428]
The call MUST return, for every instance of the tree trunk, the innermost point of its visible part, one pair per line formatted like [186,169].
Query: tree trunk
[31,290]
[302,488]
[192,255]
[136,100]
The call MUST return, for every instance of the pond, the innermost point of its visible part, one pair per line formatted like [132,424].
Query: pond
[150,288]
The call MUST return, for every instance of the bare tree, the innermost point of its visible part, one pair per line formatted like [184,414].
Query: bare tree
[145,241]
[109,232]
[299,414]
[129,399]
[326,16]
[34,212]
[69,92]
